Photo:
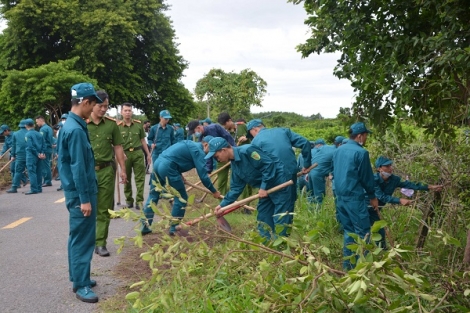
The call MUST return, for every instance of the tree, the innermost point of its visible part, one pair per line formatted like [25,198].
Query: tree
[42,90]
[127,46]
[231,92]
[402,57]
[316,116]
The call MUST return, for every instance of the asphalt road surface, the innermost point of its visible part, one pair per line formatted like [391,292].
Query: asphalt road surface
[33,254]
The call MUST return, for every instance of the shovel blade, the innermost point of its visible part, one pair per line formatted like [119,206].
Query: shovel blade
[222,222]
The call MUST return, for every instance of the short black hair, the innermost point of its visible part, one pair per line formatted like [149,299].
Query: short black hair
[241,120]
[126,104]
[103,95]
[40,117]
[76,101]
[192,125]
[223,118]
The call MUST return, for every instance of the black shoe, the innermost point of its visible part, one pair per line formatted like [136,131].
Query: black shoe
[60,189]
[12,190]
[47,185]
[138,206]
[145,232]
[102,251]
[130,205]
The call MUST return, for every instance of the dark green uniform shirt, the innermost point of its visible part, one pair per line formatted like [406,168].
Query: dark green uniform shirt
[103,137]
[131,135]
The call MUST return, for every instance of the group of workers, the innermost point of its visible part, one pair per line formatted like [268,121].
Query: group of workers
[30,152]
[91,145]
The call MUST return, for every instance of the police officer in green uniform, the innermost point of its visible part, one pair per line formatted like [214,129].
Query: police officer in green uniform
[133,135]
[18,154]
[77,173]
[106,141]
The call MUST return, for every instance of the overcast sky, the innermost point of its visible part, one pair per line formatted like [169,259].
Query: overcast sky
[260,35]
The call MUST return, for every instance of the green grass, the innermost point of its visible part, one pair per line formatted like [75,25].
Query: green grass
[212,271]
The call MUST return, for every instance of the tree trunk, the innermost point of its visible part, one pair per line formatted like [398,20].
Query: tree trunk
[423,230]
[466,258]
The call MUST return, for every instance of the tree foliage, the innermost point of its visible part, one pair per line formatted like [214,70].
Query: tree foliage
[402,57]
[231,92]
[39,90]
[127,46]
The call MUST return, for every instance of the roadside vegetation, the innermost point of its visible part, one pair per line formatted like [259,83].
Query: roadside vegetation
[209,270]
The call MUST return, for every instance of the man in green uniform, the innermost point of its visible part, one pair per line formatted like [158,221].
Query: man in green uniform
[77,173]
[179,132]
[353,179]
[241,139]
[134,144]
[385,184]
[5,131]
[35,147]
[106,142]
[18,154]
[161,136]
[251,165]
[47,133]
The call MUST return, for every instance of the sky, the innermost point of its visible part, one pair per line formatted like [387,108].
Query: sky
[260,35]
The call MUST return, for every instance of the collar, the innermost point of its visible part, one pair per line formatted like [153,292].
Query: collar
[353,142]
[90,120]
[78,119]
[236,154]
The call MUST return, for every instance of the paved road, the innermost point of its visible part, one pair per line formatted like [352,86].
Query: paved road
[33,254]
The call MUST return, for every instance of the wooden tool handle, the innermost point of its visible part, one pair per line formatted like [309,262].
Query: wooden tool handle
[1,156]
[208,191]
[6,165]
[253,197]
[308,170]
[212,174]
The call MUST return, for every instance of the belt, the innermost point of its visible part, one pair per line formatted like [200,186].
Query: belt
[134,149]
[102,165]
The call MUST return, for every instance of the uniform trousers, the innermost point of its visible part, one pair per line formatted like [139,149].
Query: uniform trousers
[163,169]
[106,181]
[81,242]
[135,162]
[354,217]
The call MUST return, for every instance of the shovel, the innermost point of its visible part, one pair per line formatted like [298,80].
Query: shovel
[230,208]
[212,174]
